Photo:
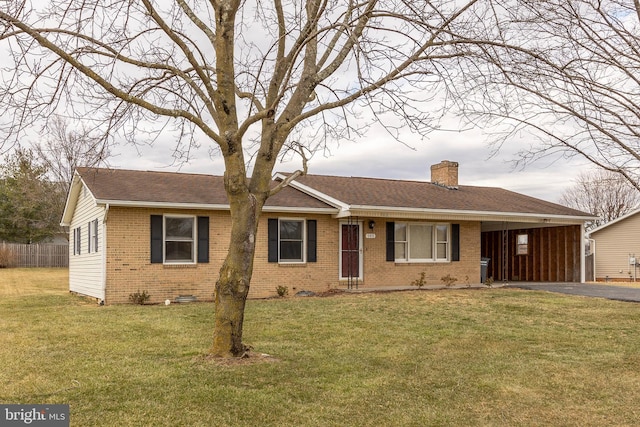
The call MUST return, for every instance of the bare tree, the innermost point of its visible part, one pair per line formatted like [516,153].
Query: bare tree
[64,148]
[603,193]
[246,75]
[563,73]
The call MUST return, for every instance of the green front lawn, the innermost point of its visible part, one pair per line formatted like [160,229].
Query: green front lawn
[449,357]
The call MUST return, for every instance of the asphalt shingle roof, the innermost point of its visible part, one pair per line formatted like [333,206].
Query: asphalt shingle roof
[425,195]
[171,187]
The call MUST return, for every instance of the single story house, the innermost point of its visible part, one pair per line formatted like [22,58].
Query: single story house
[616,249]
[167,234]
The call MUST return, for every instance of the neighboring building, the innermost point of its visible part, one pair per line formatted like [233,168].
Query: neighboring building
[616,248]
[168,234]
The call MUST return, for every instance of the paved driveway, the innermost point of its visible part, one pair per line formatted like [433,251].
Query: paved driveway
[620,293]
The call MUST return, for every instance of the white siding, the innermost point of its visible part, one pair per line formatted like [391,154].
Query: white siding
[86,271]
[614,244]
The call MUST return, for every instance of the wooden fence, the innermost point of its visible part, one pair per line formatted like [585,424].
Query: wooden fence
[35,255]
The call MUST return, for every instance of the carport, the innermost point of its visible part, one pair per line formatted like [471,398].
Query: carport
[547,250]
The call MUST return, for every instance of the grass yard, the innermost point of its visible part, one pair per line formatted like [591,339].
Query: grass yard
[500,357]
[28,281]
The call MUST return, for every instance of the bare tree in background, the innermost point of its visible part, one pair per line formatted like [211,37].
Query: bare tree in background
[256,78]
[563,73]
[64,148]
[603,193]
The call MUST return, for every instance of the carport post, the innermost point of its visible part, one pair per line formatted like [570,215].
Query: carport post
[583,253]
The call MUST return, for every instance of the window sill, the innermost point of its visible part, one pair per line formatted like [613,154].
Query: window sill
[178,266]
[292,264]
[443,261]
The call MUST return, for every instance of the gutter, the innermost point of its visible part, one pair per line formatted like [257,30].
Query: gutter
[209,207]
[448,214]
[386,210]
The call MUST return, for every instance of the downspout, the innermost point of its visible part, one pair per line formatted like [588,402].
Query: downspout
[104,253]
[583,254]
[592,251]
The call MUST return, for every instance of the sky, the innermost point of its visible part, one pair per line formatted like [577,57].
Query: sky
[377,155]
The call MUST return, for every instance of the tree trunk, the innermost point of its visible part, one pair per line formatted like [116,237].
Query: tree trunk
[232,286]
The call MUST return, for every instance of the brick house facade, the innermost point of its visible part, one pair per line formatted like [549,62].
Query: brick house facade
[167,233]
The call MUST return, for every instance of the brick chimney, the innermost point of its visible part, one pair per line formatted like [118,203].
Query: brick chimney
[445,174]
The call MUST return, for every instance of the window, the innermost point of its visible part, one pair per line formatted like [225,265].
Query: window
[77,240]
[292,240]
[95,235]
[291,243]
[402,251]
[179,238]
[89,240]
[522,244]
[92,236]
[442,242]
[421,242]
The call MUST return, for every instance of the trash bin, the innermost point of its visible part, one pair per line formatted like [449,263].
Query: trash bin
[484,267]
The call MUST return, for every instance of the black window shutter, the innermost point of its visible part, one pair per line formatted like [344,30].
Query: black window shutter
[311,240]
[203,239]
[156,239]
[455,242]
[273,240]
[391,241]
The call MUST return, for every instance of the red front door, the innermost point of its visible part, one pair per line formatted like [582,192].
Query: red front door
[350,251]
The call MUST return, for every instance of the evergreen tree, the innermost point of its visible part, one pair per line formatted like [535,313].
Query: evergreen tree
[28,200]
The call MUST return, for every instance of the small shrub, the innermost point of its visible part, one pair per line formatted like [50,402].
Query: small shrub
[448,280]
[282,290]
[420,282]
[139,297]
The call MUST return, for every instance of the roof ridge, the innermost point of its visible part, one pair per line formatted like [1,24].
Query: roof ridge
[366,177]
[396,180]
[116,169]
